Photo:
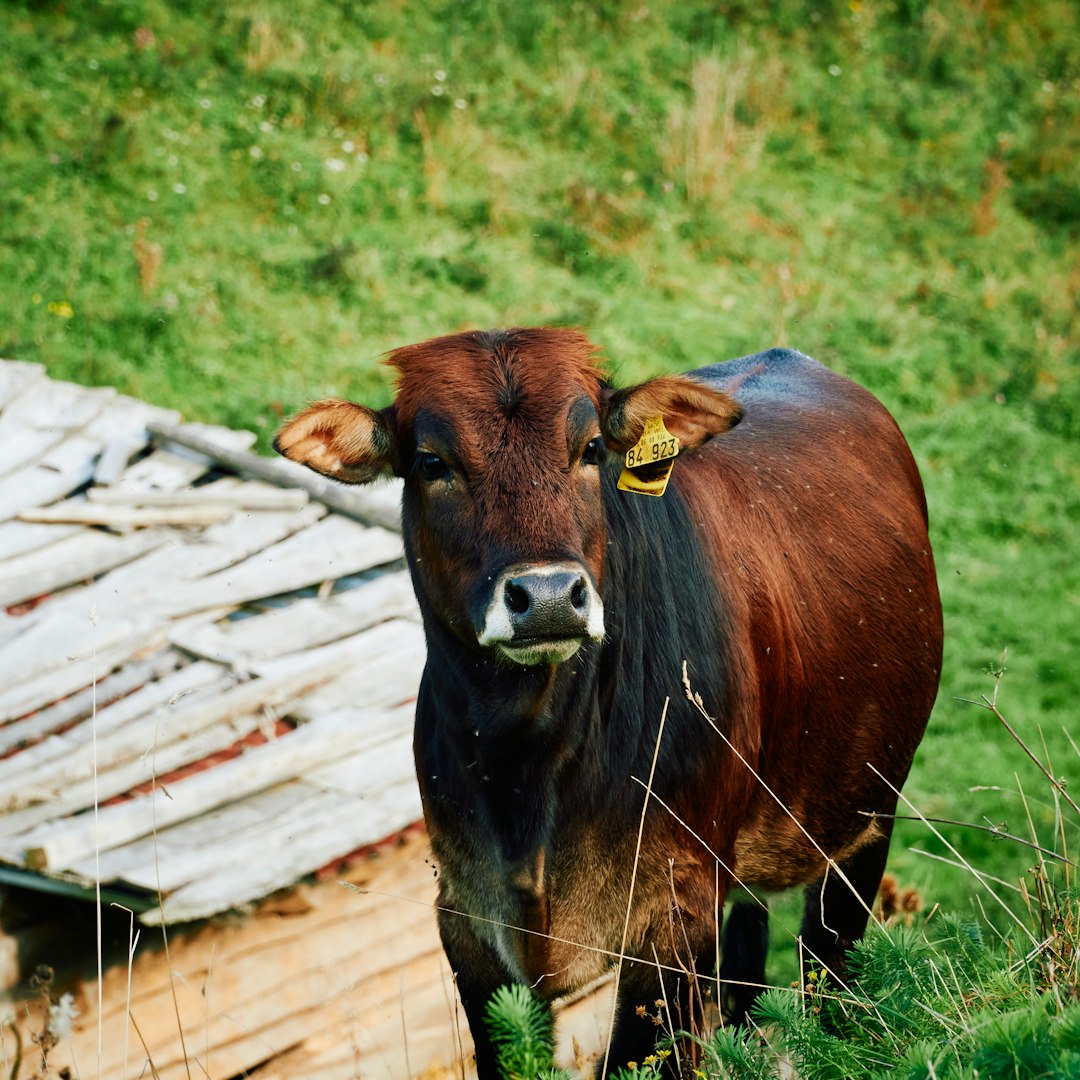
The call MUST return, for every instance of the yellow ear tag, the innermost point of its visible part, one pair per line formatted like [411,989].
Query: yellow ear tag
[650,460]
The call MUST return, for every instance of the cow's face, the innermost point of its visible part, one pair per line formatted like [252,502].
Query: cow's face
[500,438]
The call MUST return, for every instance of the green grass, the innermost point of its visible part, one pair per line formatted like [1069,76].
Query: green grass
[929,1003]
[891,187]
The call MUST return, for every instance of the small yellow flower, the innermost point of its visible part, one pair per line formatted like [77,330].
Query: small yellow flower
[36,298]
[631,1065]
[61,308]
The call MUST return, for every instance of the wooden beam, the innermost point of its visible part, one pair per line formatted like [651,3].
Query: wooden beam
[81,512]
[372,509]
[249,496]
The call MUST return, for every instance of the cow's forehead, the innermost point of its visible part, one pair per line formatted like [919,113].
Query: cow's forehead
[497,379]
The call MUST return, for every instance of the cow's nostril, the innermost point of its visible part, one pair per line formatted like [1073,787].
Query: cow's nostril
[579,597]
[517,599]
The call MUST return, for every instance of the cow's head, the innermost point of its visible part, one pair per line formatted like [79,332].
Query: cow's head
[500,438]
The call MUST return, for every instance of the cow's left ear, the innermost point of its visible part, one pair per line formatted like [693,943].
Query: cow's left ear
[692,411]
[347,442]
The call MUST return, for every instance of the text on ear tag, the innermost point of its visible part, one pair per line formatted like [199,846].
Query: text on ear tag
[656,444]
[650,460]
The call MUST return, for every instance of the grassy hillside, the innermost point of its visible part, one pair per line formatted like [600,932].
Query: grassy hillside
[232,208]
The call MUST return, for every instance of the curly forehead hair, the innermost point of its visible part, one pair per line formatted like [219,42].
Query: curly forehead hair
[541,367]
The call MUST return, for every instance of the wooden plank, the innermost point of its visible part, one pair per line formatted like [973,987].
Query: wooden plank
[352,500]
[42,418]
[68,677]
[378,740]
[397,678]
[210,832]
[245,496]
[413,1032]
[399,869]
[306,992]
[82,512]
[370,650]
[303,974]
[115,458]
[163,470]
[113,726]
[16,376]
[285,816]
[138,585]
[21,537]
[41,670]
[70,463]
[195,889]
[403,1027]
[58,644]
[249,989]
[80,705]
[28,446]
[374,761]
[73,759]
[320,827]
[304,624]
[75,557]
[118,781]
[334,548]
[52,405]
[58,844]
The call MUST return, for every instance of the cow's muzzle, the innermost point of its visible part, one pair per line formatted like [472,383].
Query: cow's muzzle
[542,614]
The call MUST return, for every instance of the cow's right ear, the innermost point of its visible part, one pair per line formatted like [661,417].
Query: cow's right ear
[346,442]
[691,410]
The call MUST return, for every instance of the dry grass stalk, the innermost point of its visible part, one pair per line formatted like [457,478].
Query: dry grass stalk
[633,881]
[149,255]
[267,46]
[705,140]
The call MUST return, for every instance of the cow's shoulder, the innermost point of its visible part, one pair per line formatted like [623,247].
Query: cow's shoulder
[780,377]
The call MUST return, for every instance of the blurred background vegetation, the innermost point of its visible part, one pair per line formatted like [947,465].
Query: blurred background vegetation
[234,208]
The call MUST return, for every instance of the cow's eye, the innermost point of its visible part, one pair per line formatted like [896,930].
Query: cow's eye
[594,452]
[432,467]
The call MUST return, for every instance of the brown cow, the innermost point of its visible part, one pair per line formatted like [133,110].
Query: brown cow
[788,567]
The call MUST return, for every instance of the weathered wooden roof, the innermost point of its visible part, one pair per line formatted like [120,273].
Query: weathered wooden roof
[224,665]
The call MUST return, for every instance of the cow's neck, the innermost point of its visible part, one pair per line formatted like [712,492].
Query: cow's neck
[512,732]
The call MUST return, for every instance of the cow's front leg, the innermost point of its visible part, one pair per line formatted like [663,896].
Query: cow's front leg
[478,973]
[652,1004]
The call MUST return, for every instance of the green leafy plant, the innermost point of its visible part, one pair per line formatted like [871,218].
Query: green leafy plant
[521,1029]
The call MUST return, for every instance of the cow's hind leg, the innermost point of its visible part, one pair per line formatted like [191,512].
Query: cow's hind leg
[742,964]
[836,912]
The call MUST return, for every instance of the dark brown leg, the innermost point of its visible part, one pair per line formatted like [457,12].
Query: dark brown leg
[835,916]
[742,967]
[478,973]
